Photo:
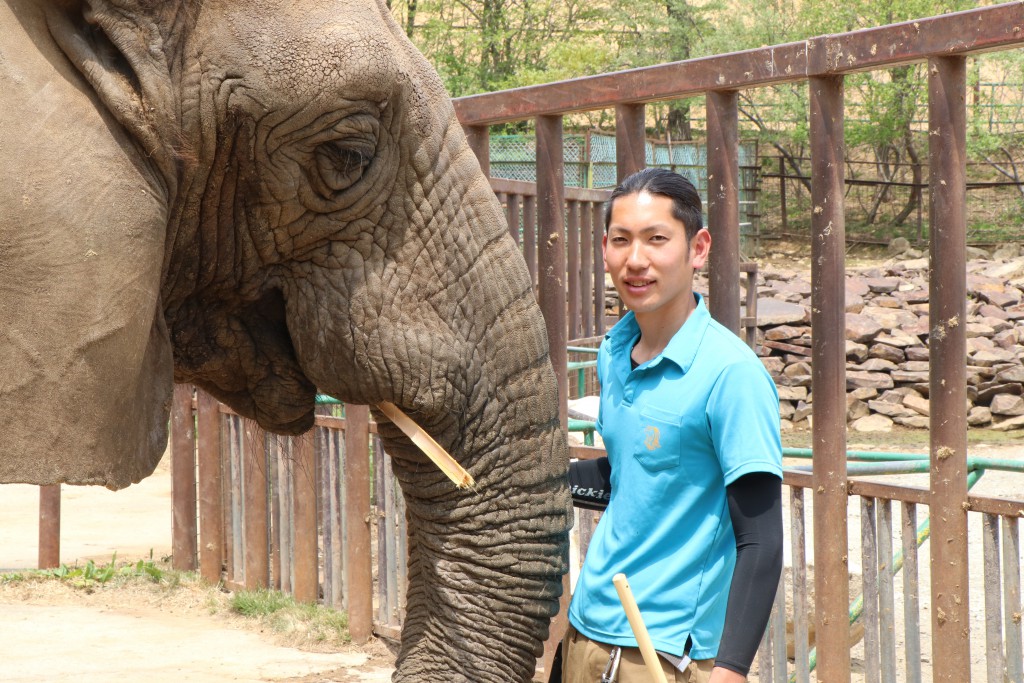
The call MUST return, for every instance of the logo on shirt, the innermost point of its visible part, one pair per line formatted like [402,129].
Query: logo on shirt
[652,438]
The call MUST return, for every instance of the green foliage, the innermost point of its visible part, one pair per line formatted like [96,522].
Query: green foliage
[90,575]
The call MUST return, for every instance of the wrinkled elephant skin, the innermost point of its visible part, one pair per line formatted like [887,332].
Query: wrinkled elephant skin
[265,199]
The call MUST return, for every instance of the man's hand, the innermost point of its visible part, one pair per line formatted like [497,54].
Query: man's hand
[722,675]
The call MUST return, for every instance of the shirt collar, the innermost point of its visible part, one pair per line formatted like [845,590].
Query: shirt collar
[681,349]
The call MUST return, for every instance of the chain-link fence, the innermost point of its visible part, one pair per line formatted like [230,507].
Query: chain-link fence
[590,162]
[888,201]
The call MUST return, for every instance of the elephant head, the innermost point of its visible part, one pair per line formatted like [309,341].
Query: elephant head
[266,198]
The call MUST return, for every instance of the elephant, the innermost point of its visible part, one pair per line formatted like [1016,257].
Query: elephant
[268,199]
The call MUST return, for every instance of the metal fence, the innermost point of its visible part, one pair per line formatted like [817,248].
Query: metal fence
[590,162]
[943,43]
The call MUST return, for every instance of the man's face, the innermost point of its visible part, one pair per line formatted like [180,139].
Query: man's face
[649,258]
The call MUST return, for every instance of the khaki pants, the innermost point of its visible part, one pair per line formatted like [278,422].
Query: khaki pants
[584,660]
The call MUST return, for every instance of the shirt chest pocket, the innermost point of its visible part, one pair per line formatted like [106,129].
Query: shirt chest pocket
[658,442]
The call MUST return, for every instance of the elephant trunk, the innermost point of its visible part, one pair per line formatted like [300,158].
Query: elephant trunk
[486,564]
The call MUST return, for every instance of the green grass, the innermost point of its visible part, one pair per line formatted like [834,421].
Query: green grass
[91,575]
[282,614]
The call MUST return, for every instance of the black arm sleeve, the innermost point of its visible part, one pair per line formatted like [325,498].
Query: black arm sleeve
[755,506]
[590,482]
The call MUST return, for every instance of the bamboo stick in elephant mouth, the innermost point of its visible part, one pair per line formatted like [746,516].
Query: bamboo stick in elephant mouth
[433,450]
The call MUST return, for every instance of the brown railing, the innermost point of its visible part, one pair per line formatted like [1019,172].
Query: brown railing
[944,42]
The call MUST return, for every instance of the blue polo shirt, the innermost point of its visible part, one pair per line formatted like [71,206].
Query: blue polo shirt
[678,429]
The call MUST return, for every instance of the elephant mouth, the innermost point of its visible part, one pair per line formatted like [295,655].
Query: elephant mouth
[244,357]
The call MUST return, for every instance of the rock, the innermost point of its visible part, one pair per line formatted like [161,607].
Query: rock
[856,286]
[989,390]
[786,409]
[1010,424]
[915,366]
[1007,404]
[979,330]
[979,416]
[856,352]
[875,380]
[1005,271]
[907,377]
[895,395]
[997,324]
[785,425]
[974,253]
[875,365]
[787,347]
[774,365]
[916,403]
[1011,374]
[1005,252]
[988,358]
[792,393]
[915,421]
[890,409]
[856,409]
[916,264]
[990,311]
[787,332]
[898,245]
[975,344]
[872,423]
[771,312]
[887,352]
[803,411]
[861,328]
[864,393]
[882,285]
[797,369]
[888,302]
[1005,339]
[890,318]
[917,353]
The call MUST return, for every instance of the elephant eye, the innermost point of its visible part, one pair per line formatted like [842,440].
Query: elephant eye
[340,164]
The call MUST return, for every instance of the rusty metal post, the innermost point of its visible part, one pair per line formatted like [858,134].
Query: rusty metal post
[828,322]
[573,261]
[306,583]
[551,273]
[513,216]
[49,526]
[630,140]
[724,208]
[598,269]
[479,138]
[357,523]
[256,529]
[211,508]
[184,531]
[587,269]
[530,236]
[782,194]
[947,340]
[551,267]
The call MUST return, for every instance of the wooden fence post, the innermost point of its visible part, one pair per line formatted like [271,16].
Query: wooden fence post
[184,535]
[357,519]
[49,526]
[306,586]
[254,468]
[211,509]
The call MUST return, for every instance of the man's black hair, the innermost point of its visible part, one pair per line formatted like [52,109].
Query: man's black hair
[686,205]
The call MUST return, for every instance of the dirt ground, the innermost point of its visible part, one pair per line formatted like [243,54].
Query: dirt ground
[53,632]
[50,631]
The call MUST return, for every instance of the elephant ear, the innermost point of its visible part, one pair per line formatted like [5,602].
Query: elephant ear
[85,360]
[121,48]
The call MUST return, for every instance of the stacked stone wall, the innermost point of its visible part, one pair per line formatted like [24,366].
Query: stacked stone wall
[887,331]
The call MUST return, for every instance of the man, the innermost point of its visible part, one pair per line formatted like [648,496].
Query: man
[690,420]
